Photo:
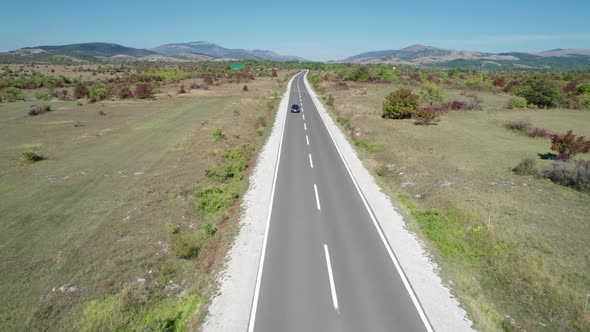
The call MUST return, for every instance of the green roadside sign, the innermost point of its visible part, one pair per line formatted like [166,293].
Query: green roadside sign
[236,65]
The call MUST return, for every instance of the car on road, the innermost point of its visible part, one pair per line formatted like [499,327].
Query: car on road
[295,108]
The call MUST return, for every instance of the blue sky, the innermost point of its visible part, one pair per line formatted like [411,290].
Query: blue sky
[316,30]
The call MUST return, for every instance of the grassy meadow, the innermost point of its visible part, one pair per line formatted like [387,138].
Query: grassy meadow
[513,249]
[125,221]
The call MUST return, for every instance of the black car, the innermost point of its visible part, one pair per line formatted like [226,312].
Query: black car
[295,108]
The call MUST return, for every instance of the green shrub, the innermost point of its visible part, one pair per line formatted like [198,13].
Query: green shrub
[517,102]
[400,104]
[367,144]
[539,91]
[30,157]
[431,94]
[209,230]
[584,100]
[98,92]
[218,134]
[187,245]
[172,229]
[527,166]
[583,88]
[236,112]
[214,199]
[11,94]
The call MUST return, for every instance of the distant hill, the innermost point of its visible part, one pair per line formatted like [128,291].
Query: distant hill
[214,50]
[439,57]
[108,52]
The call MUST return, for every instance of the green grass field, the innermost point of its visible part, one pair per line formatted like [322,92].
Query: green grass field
[514,249]
[88,236]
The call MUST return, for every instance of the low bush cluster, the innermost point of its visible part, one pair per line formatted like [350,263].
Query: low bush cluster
[527,166]
[518,125]
[11,94]
[575,174]
[143,91]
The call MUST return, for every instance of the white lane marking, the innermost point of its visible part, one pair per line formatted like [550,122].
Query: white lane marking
[304,126]
[317,197]
[396,263]
[331,277]
[303,117]
[310,161]
[307,139]
[264,242]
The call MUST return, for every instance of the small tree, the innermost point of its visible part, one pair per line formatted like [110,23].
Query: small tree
[245,88]
[400,104]
[569,145]
[81,91]
[431,94]
[274,73]
[181,90]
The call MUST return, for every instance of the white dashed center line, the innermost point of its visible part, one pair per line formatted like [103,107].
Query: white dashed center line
[317,197]
[310,161]
[331,277]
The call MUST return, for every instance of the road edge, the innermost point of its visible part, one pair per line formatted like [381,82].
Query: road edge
[231,307]
[442,309]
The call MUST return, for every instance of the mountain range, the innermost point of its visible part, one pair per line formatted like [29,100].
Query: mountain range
[108,52]
[204,51]
[440,57]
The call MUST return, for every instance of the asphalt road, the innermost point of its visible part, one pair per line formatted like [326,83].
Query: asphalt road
[325,266]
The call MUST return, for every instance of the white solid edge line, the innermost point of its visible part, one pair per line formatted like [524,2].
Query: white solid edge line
[331,277]
[310,161]
[381,235]
[272,196]
[317,197]
[307,139]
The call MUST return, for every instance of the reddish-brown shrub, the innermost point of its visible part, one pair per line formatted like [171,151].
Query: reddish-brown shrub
[208,80]
[143,91]
[568,145]
[538,132]
[571,87]
[195,86]
[81,91]
[426,116]
[274,73]
[181,90]
[245,88]
[499,82]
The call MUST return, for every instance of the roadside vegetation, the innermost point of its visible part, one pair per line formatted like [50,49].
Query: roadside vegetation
[491,169]
[121,197]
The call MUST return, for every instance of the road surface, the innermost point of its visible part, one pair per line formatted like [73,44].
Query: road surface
[325,264]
